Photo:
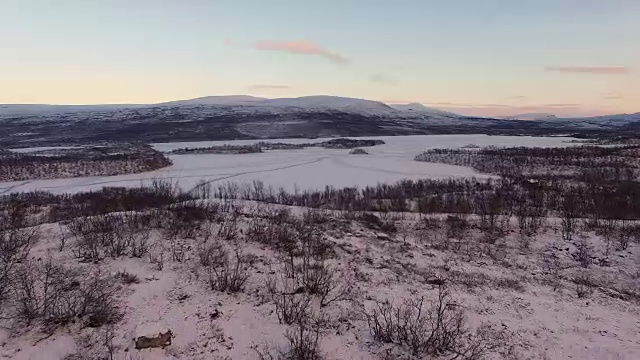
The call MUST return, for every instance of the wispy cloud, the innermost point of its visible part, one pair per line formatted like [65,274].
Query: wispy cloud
[612,96]
[301,48]
[517,97]
[268,87]
[600,70]
[560,105]
[383,79]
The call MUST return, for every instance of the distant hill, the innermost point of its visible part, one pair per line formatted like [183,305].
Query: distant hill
[531,116]
[418,108]
[248,117]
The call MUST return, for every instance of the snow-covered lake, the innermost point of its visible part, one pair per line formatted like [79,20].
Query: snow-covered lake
[309,168]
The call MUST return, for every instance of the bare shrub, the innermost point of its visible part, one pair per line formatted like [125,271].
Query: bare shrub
[624,236]
[291,301]
[373,222]
[226,273]
[127,278]
[136,227]
[156,255]
[210,253]
[178,249]
[303,343]
[457,228]
[583,253]
[531,215]
[97,236]
[584,285]
[15,245]
[57,295]
[569,215]
[185,220]
[327,282]
[439,330]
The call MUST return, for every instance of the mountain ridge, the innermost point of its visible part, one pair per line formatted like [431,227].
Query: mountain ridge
[245,117]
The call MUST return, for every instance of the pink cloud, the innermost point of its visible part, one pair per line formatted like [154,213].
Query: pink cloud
[601,70]
[301,48]
[229,42]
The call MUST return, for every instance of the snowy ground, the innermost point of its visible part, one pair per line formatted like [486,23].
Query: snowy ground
[512,292]
[310,168]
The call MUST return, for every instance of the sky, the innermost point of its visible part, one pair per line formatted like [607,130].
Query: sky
[489,58]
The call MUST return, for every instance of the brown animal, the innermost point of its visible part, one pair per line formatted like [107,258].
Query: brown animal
[162,340]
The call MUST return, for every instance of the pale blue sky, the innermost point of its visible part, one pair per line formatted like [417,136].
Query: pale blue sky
[491,57]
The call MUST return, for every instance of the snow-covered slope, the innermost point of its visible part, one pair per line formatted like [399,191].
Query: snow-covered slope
[419,109]
[607,121]
[218,100]
[325,102]
[245,103]
[43,109]
[531,116]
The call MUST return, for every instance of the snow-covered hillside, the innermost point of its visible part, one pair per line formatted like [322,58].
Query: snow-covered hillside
[606,121]
[245,103]
[419,109]
[44,109]
[232,100]
[531,116]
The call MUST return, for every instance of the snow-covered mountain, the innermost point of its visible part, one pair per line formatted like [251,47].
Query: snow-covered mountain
[246,117]
[249,104]
[43,109]
[314,111]
[417,108]
[309,103]
[531,116]
[232,100]
[606,121]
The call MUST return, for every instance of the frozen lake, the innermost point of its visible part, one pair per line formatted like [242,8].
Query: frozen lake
[309,168]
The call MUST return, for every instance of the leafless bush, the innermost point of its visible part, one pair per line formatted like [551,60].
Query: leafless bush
[457,228]
[373,222]
[57,295]
[624,236]
[583,253]
[210,253]
[569,216]
[553,265]
[127,278]
[136,227]
[316,216]
[303,343]
[327,282]
[226,274]
[584,285]
[531,217]
[228,229]
[525,242]
[292,302]
[156,256]
[15,245]
[178,249]
[97,236]
[436,331]
[185,219]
